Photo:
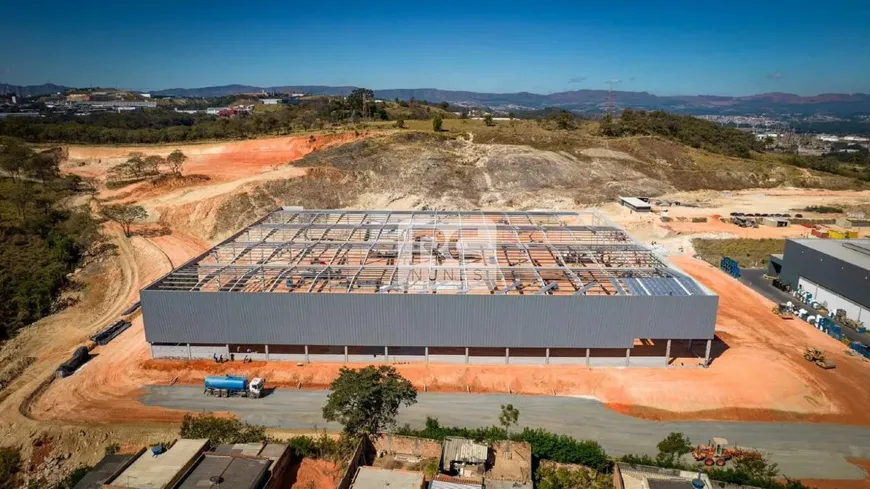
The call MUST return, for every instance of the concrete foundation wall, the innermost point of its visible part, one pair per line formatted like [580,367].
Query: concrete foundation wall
[287,357]
[207,352]
[567,360]
[446,358]
[528,360]
[326,358]
[169,351]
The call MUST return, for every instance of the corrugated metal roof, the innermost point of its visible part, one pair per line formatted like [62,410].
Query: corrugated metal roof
[462,450]
[634,201]
[436,484]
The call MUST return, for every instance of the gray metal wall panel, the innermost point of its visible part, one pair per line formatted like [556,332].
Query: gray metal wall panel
[417,320]
[831,273]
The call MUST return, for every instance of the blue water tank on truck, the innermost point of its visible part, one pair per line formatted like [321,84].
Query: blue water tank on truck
[230,385]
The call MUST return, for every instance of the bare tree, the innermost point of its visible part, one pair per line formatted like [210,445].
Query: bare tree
[176,160]
[125,215]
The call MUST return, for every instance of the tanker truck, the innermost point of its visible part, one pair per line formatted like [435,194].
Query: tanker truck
[229,385]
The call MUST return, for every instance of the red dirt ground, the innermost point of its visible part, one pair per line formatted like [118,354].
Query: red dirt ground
[315,474]
[714,225]
[221,161]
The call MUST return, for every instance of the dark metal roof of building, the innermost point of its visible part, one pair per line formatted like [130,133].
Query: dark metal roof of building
[103,471]
[226,471]
[854,251]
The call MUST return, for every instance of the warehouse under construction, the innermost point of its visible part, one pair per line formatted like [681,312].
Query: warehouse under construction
[538,287]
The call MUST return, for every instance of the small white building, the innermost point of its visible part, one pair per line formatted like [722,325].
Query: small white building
[270,101]
[635,204]
[215,110]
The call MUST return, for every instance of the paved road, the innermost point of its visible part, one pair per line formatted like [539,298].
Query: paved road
[754,279]
[802,450]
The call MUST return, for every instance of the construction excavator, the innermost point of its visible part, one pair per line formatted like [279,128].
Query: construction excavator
[817,356]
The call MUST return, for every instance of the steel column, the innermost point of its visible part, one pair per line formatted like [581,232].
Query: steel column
[427,355]
[345,354]
[668,354]
[587,357]
[189,354]
[707,354]
[466,354]
[507,356]
[627,357]
[387,354]
[267,353]
[547,361]
[307,359]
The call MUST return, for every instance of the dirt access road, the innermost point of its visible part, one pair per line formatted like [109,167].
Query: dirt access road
[802,450]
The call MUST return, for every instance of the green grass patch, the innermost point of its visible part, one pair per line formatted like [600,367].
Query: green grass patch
[750,253]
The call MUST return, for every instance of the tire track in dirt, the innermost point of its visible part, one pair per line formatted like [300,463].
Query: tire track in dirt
[158,248]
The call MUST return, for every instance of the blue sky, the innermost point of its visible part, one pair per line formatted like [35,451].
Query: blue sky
[666,47]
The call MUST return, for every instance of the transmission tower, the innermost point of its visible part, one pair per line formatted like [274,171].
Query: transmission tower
[610,96]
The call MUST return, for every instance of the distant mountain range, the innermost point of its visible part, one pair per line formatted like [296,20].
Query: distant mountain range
[577,100]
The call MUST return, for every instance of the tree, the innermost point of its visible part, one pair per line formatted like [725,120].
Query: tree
[508,417]
[125,215]
[366,401]
[21,196]
[136,165]
[674,446]
[220,430]
[359,99]
[14,156]
[755,464]
[151,164]
[176,160]
[400,123]
[511,116]
[549,476]
[436,123]
[487,119]
[444,105]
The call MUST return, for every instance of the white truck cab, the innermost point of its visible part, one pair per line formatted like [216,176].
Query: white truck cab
[256,387]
